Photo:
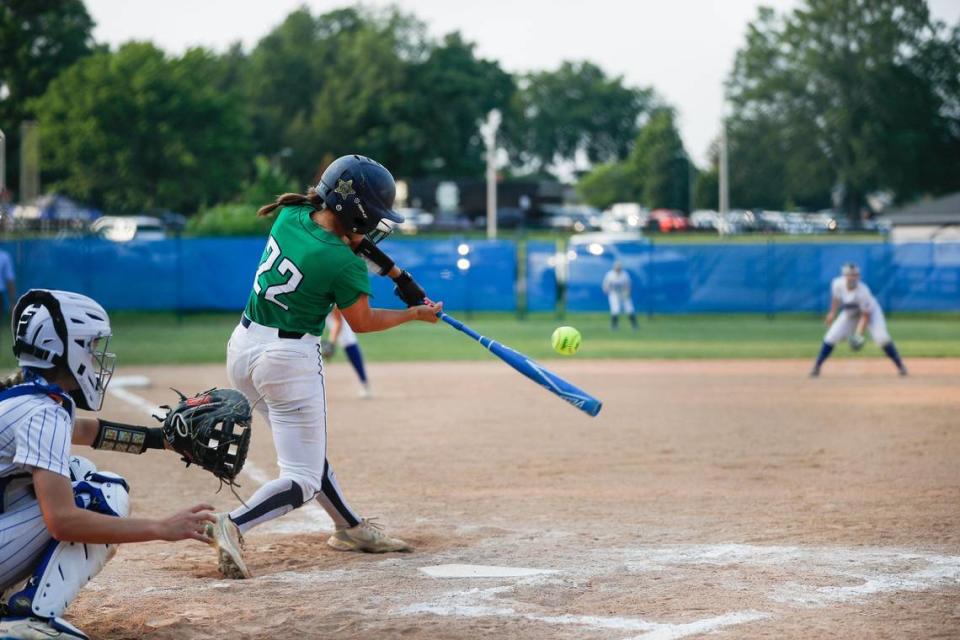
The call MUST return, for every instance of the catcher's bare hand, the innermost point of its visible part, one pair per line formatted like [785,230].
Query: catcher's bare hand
[427,312]
[188,525]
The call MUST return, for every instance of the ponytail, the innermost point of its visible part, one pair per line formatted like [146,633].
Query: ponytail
[311,199]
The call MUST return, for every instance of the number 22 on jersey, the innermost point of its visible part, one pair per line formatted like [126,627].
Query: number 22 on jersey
[285,268]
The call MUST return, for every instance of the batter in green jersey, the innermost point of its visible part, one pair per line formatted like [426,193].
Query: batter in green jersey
[305,269]
[274,354]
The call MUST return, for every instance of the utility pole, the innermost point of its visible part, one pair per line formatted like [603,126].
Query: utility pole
[29,162]
[3,164]
[724,175]
[489,132]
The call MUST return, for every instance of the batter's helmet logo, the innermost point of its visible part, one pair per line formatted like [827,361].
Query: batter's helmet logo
[345,188]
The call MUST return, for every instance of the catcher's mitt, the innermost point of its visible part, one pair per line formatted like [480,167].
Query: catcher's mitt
[211,430]
[857,342]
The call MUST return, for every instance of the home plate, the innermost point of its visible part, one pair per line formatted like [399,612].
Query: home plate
[480,571]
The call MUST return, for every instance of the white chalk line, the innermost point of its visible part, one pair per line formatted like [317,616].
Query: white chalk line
[307,519]
[478,603]
[875,570]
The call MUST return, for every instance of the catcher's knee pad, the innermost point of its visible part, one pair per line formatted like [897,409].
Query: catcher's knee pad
[80,467]
[65,567]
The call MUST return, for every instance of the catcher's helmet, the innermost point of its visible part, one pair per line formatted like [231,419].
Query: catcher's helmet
[61,328]
[360,192]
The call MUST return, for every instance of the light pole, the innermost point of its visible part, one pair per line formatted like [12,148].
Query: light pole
[724,174]
[489,132]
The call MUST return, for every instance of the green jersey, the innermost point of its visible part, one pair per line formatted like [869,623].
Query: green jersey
[303,272]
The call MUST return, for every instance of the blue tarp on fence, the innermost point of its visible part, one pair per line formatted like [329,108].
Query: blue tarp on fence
[763,278]
[216,273]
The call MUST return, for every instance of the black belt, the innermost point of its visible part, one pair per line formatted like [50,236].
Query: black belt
[281,333]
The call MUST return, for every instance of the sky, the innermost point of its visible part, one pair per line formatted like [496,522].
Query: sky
[684,49]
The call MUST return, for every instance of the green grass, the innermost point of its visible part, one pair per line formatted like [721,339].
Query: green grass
[160,338]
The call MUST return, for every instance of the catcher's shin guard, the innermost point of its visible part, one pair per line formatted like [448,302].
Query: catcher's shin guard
[65,567]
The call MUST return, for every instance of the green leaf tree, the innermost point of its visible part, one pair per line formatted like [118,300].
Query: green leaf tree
[38,40]
[572,111]
[857,94]
[609,183]
[156,133]
[452,92]
[661,164]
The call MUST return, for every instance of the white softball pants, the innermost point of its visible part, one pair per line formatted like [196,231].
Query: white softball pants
[846,323]
[620,301]
[284,379]
[346,337]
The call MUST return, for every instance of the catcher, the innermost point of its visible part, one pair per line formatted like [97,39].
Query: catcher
[61,518]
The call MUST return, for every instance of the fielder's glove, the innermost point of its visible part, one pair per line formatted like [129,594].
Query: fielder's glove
[328,349]
[857,342]
[211,430]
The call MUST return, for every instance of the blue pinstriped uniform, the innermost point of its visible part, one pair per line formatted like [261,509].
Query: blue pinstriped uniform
[35,433]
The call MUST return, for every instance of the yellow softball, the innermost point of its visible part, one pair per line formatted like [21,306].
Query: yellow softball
[565,340]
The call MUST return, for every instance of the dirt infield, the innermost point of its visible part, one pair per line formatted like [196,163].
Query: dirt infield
[740,499]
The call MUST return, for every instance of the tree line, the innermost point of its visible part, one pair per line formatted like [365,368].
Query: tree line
[134,128]
[830,102]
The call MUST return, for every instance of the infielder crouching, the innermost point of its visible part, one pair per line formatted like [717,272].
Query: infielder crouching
[61,518]
[858,312]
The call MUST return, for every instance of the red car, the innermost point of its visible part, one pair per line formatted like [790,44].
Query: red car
[668,220]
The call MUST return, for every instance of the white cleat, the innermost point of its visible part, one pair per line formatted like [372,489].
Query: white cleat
[30,628]
[368,536]
[365,393]
[228,542]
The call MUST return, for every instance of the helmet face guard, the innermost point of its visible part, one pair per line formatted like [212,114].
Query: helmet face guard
[384,229]
[360,192]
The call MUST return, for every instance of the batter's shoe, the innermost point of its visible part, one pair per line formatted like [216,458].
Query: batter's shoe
[228,542]
[903,372]
[368,536]
[30,628]
[365,393]
[815,372]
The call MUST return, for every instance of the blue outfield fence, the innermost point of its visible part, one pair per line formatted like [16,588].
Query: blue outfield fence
[469,275]
[217,273]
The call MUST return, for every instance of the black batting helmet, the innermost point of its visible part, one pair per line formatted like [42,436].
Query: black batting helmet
[360,192]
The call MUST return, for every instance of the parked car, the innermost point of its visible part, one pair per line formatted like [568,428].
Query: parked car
[578,218]
[414,219]
[507,218]
[705,220]
[623,216]
[127,228]
[667,220]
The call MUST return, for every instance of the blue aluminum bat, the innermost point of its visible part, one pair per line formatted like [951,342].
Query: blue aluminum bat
[536,372]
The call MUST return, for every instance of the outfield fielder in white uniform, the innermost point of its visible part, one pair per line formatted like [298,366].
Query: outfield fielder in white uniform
[853,310]
[616,284]
[60,518]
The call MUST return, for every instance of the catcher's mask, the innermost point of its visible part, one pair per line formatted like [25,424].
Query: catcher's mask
[69,330]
